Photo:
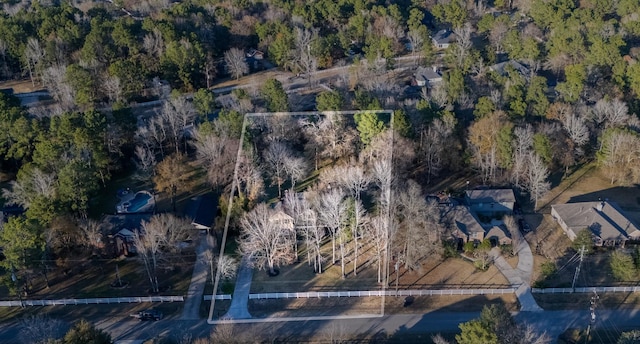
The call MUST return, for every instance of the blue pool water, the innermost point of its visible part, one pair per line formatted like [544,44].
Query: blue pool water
[138,201]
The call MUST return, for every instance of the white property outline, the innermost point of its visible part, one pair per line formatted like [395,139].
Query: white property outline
[234,186]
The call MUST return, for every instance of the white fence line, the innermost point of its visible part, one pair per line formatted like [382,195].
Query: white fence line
[365,293]
[635,289]
[104,300]
[218,297]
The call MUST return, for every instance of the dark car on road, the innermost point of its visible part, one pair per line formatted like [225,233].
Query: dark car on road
[149,314]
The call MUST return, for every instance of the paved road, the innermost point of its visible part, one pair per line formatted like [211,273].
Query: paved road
[551,322]
[193,300]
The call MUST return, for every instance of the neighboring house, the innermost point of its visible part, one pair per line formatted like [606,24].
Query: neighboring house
[503,67]
[124,242]
[443,38]
[491,202]
[120,230]
[255,54]
[202,211]
[282,220]
[607,222]
[427,77]
[468,228]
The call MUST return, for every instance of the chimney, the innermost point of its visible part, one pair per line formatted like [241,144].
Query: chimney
[600,206]
[435,69]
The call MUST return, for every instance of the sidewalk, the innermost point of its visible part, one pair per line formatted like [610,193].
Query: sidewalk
[521,276]
[193,299]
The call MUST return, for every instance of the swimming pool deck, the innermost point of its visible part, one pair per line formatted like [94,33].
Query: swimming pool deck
[121,208]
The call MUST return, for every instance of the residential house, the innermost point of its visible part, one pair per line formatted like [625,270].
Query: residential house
[491,202]
[443,38]
[467,228]
[120,231]
[606,221]
[202,211]
[427,77]
[503,68]
[498,235]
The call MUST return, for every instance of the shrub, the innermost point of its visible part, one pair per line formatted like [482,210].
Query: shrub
[469,247]
[622,266]
[450,249]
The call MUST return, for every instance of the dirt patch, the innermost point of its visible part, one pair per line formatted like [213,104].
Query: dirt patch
[21,86]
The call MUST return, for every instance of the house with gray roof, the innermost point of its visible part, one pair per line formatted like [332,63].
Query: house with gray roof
[491,202]
[467,227]
[606,221]
[443,38]
[427,77]
[502,68]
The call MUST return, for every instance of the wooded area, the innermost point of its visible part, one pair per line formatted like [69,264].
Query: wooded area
[574,101]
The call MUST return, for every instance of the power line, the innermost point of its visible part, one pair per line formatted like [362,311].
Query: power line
[575,276]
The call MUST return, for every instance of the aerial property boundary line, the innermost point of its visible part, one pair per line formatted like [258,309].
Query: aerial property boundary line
[234,186]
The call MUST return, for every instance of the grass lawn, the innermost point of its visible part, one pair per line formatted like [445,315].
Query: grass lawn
[92,280]
[91,313]
[373,305]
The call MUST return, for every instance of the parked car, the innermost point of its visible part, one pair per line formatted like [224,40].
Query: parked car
[149,314]
[524,226]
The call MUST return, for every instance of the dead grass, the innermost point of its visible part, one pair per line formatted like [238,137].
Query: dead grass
[372,305]
[21,86]
[91,313]
[87,279]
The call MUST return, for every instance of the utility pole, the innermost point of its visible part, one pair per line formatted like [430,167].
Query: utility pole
[592,310]
[575,276]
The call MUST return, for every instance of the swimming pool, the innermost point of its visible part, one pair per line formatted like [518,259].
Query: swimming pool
[140,200]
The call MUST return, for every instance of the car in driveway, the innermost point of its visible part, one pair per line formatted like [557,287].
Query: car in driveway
[524,226]
[149,314]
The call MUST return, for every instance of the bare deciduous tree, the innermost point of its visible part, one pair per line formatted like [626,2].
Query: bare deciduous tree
[263,241]
[236,63]
[38,329]
[537,174]
[217,154]
[35,184]
[523,141]
[619,155]
[226,266]
[329,137]
[332,214]
[419,231]
[354,179]
[275,158]
[176,114]
[54,78]
[161,234]
[613,113]
[307,63]
[145,161]
[92,234]
[33,55]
